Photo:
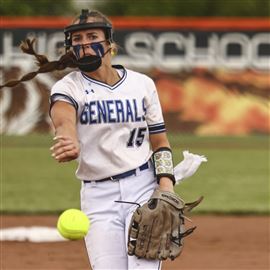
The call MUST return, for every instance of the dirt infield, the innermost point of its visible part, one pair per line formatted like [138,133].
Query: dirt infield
[220,242]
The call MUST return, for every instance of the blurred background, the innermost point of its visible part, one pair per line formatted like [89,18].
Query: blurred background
[210,60]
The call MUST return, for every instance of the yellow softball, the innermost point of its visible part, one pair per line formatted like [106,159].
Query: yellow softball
[73,224]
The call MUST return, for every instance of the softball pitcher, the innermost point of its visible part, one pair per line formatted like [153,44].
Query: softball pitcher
[109,119]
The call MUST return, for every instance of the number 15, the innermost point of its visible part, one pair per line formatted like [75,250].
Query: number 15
[136,137]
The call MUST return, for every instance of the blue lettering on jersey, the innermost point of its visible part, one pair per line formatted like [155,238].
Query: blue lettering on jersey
[144,109]
[84,115]
[137,118]
[129,112]
[92,112]
[112,111]
[101,111]
[120,115]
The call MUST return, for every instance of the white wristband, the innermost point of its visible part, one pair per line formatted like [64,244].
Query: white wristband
[163,163]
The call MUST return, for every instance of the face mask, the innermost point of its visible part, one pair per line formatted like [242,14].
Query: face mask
[89,63]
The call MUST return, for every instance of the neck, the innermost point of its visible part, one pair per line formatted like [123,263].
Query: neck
[106,74]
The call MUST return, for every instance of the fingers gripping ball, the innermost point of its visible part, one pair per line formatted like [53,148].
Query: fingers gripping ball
[73,224]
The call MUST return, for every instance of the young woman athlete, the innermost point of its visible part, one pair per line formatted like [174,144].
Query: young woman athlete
[108,118]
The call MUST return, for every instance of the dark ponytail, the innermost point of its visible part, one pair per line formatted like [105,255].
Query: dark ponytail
[65,61]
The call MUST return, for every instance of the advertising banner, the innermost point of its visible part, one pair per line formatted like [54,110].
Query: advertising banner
[212,75]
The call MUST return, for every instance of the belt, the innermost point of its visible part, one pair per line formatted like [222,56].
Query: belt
[121,175]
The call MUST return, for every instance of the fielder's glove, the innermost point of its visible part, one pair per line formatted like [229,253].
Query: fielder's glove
[157,228]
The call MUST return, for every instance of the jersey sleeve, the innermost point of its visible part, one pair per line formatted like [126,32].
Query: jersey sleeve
[62,91]
[154,116]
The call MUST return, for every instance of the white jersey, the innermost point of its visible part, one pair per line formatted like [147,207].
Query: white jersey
[113,122]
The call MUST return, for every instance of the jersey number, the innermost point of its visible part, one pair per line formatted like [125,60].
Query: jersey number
[136,137]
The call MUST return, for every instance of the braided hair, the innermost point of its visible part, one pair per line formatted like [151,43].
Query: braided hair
[27,46]
[68,60]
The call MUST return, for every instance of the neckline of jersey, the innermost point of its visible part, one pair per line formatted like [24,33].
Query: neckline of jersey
[111,87]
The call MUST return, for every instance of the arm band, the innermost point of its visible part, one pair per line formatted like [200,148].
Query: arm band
[163,163]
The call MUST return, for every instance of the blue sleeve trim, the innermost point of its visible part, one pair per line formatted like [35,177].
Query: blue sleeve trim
[156,128]
[57,96]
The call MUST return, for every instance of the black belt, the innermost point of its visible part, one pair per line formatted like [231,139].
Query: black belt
[121,175]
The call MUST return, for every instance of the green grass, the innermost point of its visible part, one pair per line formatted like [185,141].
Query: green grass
[31,181]
[236,177]
[234,180]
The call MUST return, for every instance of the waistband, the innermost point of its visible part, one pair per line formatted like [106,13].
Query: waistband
[143,167]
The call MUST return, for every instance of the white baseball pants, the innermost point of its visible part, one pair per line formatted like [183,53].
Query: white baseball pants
[106,241]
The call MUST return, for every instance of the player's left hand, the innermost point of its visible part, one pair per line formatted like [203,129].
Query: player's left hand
[157,228]
[65,149]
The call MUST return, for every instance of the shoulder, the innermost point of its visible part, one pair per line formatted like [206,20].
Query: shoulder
[66,89]
[140,78]
[70,79]
[69,85]
[144,80]
[138,75]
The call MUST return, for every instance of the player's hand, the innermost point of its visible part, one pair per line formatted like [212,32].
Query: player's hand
[65,148]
